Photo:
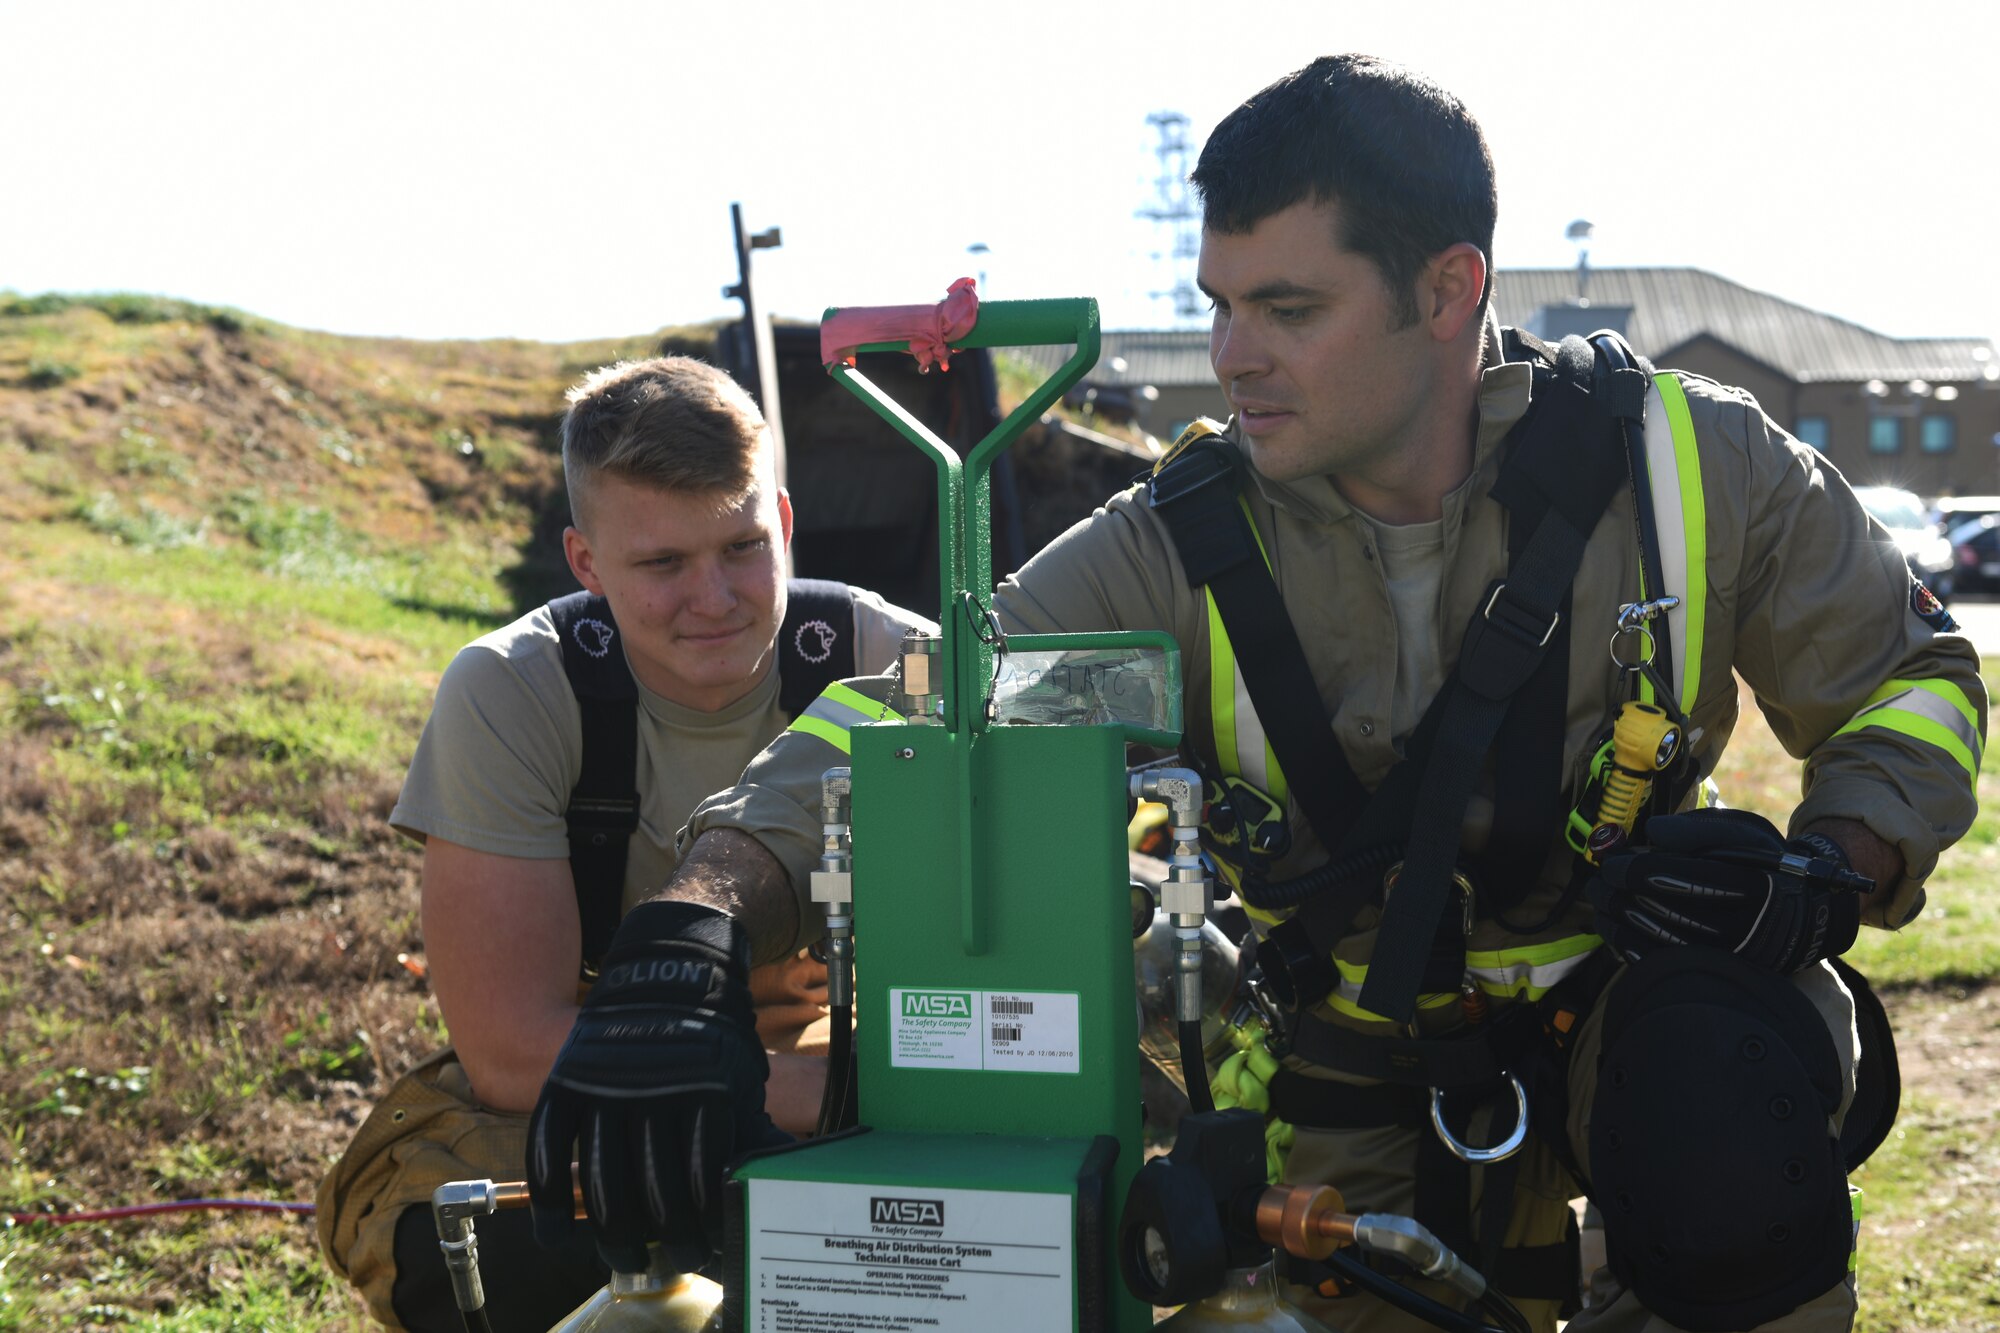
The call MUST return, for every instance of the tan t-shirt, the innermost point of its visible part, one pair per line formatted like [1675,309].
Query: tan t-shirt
[1413,571]
[504,747]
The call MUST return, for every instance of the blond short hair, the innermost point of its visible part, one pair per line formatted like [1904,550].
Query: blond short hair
[669,421]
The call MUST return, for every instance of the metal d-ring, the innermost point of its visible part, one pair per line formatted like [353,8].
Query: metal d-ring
[1500,1152]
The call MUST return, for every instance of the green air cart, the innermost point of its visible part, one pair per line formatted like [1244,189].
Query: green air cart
[997,1044]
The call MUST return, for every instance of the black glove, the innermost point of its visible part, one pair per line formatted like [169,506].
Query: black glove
[659,1087]
[1729,880]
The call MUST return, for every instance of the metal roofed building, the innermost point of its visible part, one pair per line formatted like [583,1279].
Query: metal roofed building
[1159,378]
[1921,413]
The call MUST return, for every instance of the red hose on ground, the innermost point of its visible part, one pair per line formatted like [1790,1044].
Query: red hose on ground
[145,1209]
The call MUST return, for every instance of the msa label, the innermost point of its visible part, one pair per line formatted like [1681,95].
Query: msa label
[823,1257]
[1028,1032]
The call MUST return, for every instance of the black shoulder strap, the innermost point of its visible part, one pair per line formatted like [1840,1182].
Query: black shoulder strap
[1194,491]
[816,642]
[604,806]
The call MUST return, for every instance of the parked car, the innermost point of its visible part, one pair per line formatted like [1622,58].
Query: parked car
[1955,511]
[1924,547]
[1975,546]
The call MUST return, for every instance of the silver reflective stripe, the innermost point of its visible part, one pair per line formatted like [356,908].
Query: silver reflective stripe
[1670,522]
[1931,707]
[845,715]
[1536,977]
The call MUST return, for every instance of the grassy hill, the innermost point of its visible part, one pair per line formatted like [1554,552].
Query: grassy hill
[236,558]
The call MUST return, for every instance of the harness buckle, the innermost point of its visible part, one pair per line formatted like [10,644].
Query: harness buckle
[1519,621]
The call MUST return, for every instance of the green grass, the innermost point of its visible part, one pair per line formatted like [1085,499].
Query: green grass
[1928,1257]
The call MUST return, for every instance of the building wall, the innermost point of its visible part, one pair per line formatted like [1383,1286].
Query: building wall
[1182,403]
[1970,466]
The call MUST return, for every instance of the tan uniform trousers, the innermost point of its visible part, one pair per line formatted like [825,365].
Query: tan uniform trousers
[1374,1171]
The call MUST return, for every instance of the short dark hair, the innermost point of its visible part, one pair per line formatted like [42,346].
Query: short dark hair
[1403,159]
[672,422]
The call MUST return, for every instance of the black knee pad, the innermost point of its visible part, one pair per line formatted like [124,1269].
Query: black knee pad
[1723,1192]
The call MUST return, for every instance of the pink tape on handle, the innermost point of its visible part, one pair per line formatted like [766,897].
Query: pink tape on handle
[929,329]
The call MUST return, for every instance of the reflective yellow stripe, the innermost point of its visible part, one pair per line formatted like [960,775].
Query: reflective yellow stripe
[1342,1003]
[1917,728]
[1933,711]
[874,709]
[1272,780]
[838,709]
[1693,591]
[1534,955]
[1527,973]
[835,736]
[1221,686]
[1242,747]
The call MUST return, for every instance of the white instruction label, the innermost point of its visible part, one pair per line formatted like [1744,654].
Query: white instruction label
[1030,1032]
[827,1258]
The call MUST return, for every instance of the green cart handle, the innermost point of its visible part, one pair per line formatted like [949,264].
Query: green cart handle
[965,521]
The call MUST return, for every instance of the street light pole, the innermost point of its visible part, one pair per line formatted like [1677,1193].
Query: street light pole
[766,388]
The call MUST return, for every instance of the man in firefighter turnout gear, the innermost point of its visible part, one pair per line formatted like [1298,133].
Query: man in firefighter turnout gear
[1417,581]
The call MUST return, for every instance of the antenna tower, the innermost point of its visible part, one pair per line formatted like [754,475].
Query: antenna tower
[1171,210]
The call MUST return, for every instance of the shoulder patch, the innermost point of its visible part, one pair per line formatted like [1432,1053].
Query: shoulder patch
[593,636]
[813,641]
[1929,609]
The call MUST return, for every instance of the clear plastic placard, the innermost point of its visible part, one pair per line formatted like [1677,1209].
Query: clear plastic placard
[1132,686]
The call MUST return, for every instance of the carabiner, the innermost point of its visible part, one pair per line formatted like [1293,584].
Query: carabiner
[1500,1152]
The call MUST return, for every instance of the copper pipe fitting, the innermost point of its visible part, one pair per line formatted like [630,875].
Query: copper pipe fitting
[1305,1220]
[514,1194]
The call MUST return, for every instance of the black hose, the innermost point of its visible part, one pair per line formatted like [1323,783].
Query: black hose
[1194,1067]
[476,1321]
[1505,1311]
[839,1061]
[1386,1288]
[1291,892]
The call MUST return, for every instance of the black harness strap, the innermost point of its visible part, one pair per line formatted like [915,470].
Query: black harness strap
[604,805]
[1195,494]
[816,642]
[1558,466]
[815,648]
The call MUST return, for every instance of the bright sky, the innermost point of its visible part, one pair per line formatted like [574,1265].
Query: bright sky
[565,171]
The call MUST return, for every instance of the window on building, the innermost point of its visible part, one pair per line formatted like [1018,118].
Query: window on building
[1938,433]
[1814,431]
[1885,435]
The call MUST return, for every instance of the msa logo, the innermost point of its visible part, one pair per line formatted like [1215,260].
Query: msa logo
[907,1212]
[937,1004]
